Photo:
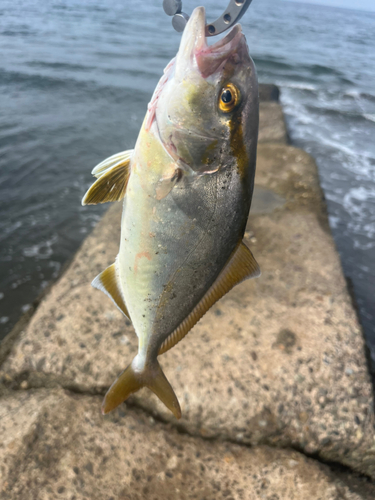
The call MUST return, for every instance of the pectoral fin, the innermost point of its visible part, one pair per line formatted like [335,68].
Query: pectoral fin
[166,184]
[241,265]
[112,178]
[108,282]
[110,162]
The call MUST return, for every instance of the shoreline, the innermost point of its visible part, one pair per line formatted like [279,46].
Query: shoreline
[294,389]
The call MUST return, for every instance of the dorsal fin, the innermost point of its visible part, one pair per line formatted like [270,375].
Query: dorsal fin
[107,282]
[113,176]
[240,266]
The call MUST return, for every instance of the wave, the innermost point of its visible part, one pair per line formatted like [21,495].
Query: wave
[60,65]
[269,61]
[371,118]
[314,70]
[355,199]
[370,97]
[299,86]
[306,126]
[322,105]
[358,95]
[329,93]
[319,69]
[38,81]
[349,115]
[323,139]
[121,89]
[20,32]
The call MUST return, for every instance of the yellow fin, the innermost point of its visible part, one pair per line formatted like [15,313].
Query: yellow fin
[160,386]
[132,380]
[107,282]
[110,162]
[240,266]
[120,390]
[111,183]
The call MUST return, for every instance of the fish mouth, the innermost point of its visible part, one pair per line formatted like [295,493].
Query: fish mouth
[208,58]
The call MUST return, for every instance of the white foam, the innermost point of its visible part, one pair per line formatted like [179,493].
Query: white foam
[56,266]
[12,227]
[4,319]
[371,118]
[308,127]
[296,109]
[298,86]
[42,250]
[334,221]
[353,93]
[354,199]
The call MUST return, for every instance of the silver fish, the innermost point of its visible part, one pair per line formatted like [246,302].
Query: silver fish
[187,189]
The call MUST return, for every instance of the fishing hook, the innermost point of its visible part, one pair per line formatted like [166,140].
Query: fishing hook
[233,13]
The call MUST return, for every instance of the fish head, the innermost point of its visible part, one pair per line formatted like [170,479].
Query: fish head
[207,109]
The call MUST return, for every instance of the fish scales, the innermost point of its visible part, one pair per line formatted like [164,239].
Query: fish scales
[187,189]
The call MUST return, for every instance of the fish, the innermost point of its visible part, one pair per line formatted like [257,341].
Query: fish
[186,188]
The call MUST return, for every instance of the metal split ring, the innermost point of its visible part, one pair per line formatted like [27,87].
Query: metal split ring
[233,13]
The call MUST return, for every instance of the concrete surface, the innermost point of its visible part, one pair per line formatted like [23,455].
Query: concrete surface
[279,361]
[273,127]
[59,446]
[269,92]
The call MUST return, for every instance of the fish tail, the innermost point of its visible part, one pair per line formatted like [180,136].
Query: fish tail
[131,380]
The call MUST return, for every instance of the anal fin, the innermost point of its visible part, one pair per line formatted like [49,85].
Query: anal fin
[107,282]
[112,179]
[240,266]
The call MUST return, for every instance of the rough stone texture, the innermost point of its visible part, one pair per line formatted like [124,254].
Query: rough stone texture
[273,128]
[279,360]
[59,446]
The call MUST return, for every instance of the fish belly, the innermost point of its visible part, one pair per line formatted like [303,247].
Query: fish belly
[173,249]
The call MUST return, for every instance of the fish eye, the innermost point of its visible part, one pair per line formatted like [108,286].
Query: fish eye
[226,96]
[229,98]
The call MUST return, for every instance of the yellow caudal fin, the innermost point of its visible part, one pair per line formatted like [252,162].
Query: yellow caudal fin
[126,384]
[131,381]
[160,386]
[112,179]
[240,266]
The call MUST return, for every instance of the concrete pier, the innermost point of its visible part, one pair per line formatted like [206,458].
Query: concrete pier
[275,394]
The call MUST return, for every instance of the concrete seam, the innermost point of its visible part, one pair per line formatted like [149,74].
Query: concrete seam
[51,382]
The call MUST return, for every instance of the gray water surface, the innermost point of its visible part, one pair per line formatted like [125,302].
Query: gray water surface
[75,80]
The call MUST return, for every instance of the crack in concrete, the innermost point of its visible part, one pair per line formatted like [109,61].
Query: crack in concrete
[27,381]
